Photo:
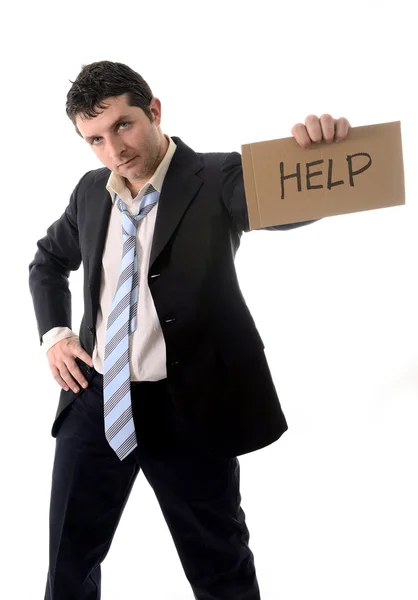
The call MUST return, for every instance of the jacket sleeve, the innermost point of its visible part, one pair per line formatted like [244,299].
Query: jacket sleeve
[233,196]
[58,253]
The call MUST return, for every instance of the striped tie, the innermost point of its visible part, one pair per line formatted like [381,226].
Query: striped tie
[119,424]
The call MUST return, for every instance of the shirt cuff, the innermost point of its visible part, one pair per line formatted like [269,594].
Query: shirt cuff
[56,334]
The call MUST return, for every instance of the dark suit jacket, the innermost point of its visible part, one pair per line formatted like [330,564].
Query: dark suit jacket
[217,372]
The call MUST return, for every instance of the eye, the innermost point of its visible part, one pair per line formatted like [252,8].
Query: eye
[92,143]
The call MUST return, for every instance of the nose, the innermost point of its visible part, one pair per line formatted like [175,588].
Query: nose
[116,151]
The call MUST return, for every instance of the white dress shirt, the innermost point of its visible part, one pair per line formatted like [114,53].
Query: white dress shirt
[147,346]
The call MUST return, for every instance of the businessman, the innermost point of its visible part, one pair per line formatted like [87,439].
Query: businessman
[168,372]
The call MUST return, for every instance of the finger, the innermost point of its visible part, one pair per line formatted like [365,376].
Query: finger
[75,371]
[328,128]
[301,135]
[342,127]
[57,376]
[79,352]
[313,127]
[85,357]
[65,375]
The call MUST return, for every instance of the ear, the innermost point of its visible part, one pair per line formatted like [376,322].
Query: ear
[155,108]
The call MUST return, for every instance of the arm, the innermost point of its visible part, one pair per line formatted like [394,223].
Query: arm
[58,253]
[233,195]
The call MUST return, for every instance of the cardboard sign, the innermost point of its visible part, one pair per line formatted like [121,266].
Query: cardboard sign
[285,183]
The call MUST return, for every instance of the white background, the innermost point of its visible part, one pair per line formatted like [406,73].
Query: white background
[332,506]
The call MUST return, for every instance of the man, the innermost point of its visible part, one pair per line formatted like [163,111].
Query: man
[168,372]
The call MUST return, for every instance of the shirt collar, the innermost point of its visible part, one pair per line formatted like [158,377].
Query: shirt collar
[116,184]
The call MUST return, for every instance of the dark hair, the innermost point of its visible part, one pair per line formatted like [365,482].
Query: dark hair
[100,80]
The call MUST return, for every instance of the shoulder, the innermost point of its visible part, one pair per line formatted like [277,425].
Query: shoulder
[96,177]
[220,158]
[221,164]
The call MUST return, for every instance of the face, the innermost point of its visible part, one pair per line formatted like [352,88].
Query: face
[124,139]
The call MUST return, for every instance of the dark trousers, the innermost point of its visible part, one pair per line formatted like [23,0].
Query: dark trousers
[198,494]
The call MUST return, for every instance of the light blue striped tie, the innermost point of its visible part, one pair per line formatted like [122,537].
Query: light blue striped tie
[119,424]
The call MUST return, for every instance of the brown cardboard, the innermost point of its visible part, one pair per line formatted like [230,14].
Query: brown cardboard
[368,162]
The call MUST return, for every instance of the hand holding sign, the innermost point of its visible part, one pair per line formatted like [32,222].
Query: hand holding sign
[287,182]
[322,129]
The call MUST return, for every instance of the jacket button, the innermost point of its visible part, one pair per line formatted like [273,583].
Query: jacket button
[176,362]
[169,320]
[88,369]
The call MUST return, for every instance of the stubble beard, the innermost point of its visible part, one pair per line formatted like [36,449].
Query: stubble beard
[148,168]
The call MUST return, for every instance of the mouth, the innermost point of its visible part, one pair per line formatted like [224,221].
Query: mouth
[128,162]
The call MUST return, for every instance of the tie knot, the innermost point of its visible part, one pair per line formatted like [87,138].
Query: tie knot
[130,222]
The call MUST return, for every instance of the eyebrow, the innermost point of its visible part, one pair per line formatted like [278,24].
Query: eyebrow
[90,138]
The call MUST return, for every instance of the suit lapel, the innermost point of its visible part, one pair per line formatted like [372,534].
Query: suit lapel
[99,206]
[180,186]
